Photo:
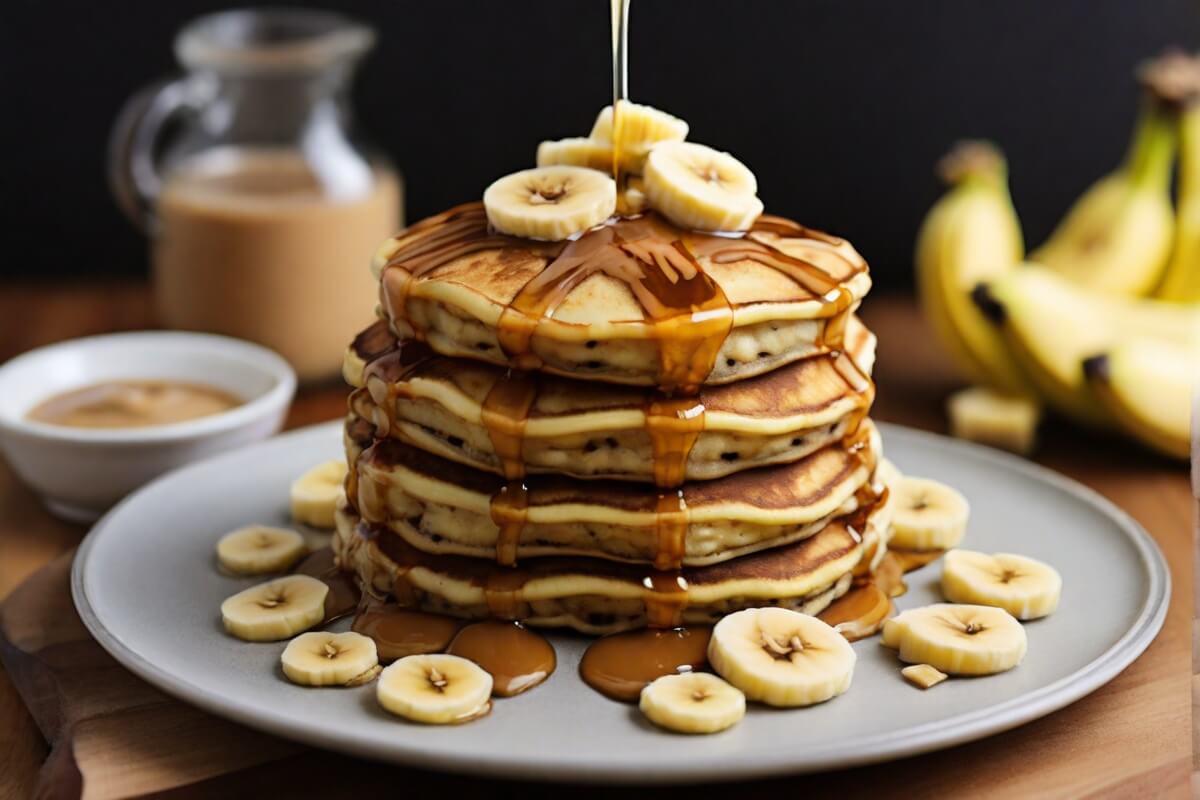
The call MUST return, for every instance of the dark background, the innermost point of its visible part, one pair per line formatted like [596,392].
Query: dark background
[840,106]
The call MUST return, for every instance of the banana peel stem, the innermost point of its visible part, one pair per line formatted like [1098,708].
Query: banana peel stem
[1153,148]
[1189,155]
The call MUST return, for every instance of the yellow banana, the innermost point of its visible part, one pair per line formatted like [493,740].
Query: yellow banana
[970,235]
[1117,236]
[1181,281]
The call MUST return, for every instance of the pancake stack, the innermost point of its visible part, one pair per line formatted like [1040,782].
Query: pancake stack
[639,425]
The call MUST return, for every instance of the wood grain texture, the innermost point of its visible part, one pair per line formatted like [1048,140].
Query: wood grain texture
[1130,738]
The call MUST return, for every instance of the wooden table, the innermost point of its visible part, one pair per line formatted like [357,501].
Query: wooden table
[1130,738]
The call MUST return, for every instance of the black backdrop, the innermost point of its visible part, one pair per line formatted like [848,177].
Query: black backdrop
[839,106]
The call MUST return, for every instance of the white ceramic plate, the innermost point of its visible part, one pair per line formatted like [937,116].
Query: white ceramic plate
[146,586]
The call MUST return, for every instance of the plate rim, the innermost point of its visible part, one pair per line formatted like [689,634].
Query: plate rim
[878,747]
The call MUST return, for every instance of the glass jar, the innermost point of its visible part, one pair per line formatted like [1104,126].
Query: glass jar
[262,203]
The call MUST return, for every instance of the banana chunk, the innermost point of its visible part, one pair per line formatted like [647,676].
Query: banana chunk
[1024,587]
[315,494]
[321,658]
[781,657]
[438,689]
[550,203]
[979,414]
[694,702]
[957,639]
[259,549]
[276,609]
[928,515]
[577,151]
[923,675]
[640,127]
[700,188]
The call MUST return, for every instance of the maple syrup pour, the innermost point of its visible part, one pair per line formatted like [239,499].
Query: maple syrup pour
[858,382]
[344,594]
[860,612]
[619,666]
[666,599]
[509,509]
[688,313]
[671,527]
[400,632]
[505,413]
[502,592]
[620,78]
[517,658]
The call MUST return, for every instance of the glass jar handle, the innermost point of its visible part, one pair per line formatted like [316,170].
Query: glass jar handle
[133,174]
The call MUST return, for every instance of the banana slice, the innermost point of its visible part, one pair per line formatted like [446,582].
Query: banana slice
[259,549]
[928,515]
[276,609]
[578,151]
[320,658]
[957,639]
[550,203]
[633,199]
[641,127]
[923,675]
[436,688]
[887,473]
[314,494]
[700,188]
[781,657]
[979,414]
[1024,587]
[694,702]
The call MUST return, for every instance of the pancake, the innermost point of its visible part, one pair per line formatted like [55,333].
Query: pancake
[600,597]
[472,413]
[633,300]
[444,507]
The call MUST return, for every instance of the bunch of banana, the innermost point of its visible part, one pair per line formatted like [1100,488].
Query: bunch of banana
[1103,324]
[1181,281]
[971,235]
[571,190]
[1117,236]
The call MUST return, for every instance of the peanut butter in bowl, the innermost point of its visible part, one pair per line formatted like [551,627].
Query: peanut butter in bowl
[133,404]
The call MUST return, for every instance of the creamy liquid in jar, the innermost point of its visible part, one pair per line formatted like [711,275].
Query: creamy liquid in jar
[133,404]
[251,245]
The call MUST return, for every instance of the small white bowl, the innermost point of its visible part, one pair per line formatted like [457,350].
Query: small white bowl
[81,472]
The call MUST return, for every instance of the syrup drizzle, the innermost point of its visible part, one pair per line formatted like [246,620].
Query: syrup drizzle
[620,78]
[688,314]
